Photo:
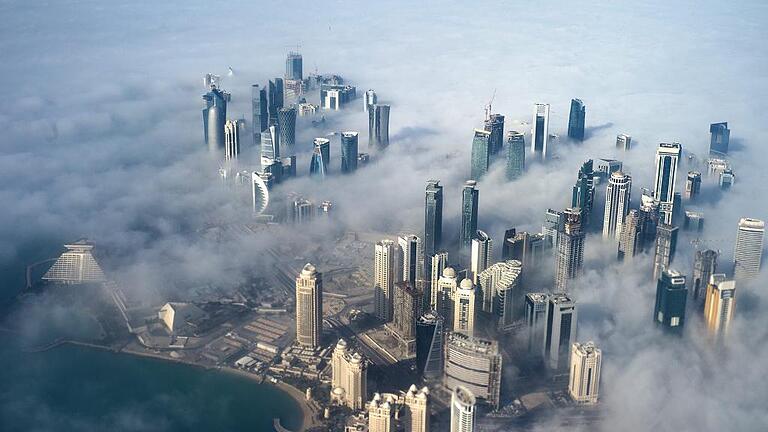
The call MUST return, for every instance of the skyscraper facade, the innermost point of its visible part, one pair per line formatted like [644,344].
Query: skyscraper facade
[481,254]
[416,404]
[412,253]
[309,307]
[576,120]
[463,411]
[570,250]
[369,99]
[275,94]
[214,118]
[286,122]
[444,294]
[584,382]
[260,112]
[719,304]
[321,156]
[232,130]
[667,159]
[583,193]
[433,217]
[406,310]
[669,310]
[720,137]
[259,193]
[439,262]
[429,346]
[623,142]
[474,363]
[481,154]
[515,155]
[749,248]
[617,196]
[540,132]
[704,266]
[536,307]
[378,126]
[464,308]
[727,178]
[270,145]
[349,148]
[525,247]
[293,66]
[630,240]
[560,330]
[385,274]
[469,203]
[692,185]
[666,245]
[502,293]
[554,223]
[349,376]
[495,125]
[381,414]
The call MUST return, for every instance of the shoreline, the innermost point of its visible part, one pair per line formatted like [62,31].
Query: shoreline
[308,414]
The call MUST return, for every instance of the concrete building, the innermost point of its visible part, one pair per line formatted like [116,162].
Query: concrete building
[412,254]
[178,316]
[481,254]
[417,410]
[349,377]
[381,414]
[75,266]
[439,262]
[232,133]
[748,252]
[560,330]
[536,306]
[719,305]
[473,363]
[500,286]
[667,160]
[666,245]
[630,241]
[692,185]
[669,310]
[704,266]
[309,307]
[464,308]
[584,382]
[569,257]
[407,308]
[624,142]
[463,411]
[385,274]
[617,198]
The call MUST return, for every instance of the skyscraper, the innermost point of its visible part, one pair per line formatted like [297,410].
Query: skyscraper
[554,223]
[540,132]
[349,376]
[474,363]
[667,159]
[275,102]
[214,118]
[385,275]
[719,304]
[583,193]
[321,155]
[303,211]
[232,131]
[416,404]
[433,217]
[630,240]
[624,142]
[481,254]
[576,120]
[286,122]
[749,248]
[349,147]
[649,218]
[560,330]
[726,179]
[515,155]
[704,266]
[293,66]
[495,125]
[536,306]
[444,294]
[378,126]
[270,145]
[260,119]
[439,262]
[381,414]
[309,307]
[720,137]
[406,310]
[694,221]
[524,247]
[570,250]
[412,252]
[369,99]
[481,154]
[469,202]
[584,382]
[259,193]
[75,266]
[666,244]
[463,412]
[429,346]
[502,292]
[617,196]
[692,185]
[464,308]
[669,311]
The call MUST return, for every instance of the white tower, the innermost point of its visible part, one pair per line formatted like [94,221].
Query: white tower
[462,410]
[464,308]
[749,248]
[584,382]
[309,307]
[667,159]
[386,273]
[617,196]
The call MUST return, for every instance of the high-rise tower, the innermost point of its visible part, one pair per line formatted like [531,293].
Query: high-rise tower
[669,311]
[260,112]
[286,122]
[232,134]
[584,382]
[624,142]
[321,156]
[667,160]
[463,412]
[720,137]
[692,185]
[378,126]
[386,273]
[560,330]
[412,252]
[501,292]
[540,132]
[719,304]
[666,245]
[617,196]
[495,125]
[469,203]
[349,376]
[214,117]
[515,155]
[293,66]
[429,346]
[576,120]
[309,307]
[583,192]
[349,147]
[749,248]
[704,266]
[570,250]
[464,308]
[481,254]
[481,154]
[433,217]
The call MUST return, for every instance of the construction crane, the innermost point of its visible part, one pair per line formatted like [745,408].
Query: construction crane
[698,242]
[489,105]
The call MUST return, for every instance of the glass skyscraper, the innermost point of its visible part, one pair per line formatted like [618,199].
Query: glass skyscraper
[349,145]
[495,125]
[433,217]
[720,137]
[260,119]
[293,66]
[481,153]
[214,118]
[540,132]
[576,120]
[669,311]
[515,155]
[378,126]
[286,121]
[275,102]
[667,159]
[469,203]
[584,192]
[666,245]
[320,156]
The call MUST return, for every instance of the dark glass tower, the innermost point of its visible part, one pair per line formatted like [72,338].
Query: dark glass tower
[318,166]
[275,102]
[429,346]
[584,193]
[720,137]
[669,311]
[495,125]
[286,121]
[293,66]
[260,119]
[349,147]
[433,217]
[576,120]
[481,156]
[515,155]
[214,118]
[469,202]
[378,126]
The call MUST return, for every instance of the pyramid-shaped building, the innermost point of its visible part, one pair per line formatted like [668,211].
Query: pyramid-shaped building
[75,266]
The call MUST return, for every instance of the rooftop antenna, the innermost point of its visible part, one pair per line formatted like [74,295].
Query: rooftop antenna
[489,106]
